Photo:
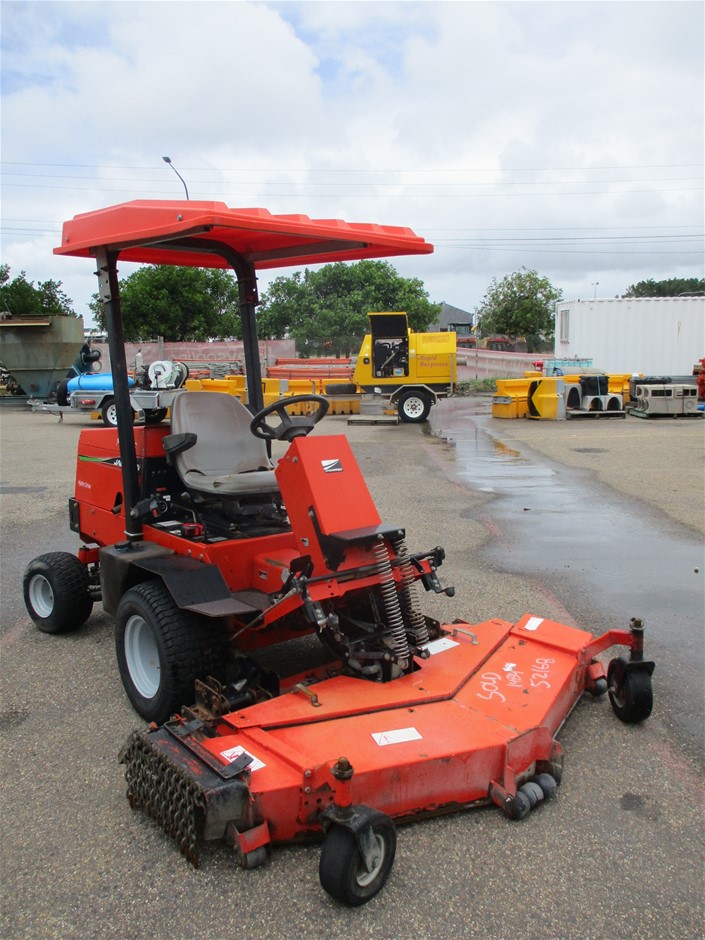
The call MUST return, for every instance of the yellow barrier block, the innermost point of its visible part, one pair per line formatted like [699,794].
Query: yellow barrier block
[511,397]
[506,406]
[546,398]
[618,384]
[229,385]
[304,387]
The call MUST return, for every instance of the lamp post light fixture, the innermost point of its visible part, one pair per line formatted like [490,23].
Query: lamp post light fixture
[168,160]
[595,284]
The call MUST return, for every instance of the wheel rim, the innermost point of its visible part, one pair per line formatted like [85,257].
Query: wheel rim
[364,877]
[41,596]
[111,415]
[619,696]
[413,407]
[142,656]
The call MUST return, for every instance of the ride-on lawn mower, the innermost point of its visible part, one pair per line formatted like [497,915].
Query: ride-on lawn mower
[208,555]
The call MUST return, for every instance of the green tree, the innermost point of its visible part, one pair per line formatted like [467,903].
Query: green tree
[23,299]
[325,311]
[671,287]
[521,304]
[179,303]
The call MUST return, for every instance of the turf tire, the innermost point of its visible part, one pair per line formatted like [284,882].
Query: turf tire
[56,592]
[162,650]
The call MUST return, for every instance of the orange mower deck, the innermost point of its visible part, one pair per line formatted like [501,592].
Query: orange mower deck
[472,725]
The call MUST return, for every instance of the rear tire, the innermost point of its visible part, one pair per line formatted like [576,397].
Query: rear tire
[162,650]
[56,592]
[414,407]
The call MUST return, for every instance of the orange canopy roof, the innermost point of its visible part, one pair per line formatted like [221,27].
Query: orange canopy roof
[185,233]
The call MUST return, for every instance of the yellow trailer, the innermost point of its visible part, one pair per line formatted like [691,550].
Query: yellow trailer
[415,369]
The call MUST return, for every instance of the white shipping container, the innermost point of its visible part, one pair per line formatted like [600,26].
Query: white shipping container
[649,335]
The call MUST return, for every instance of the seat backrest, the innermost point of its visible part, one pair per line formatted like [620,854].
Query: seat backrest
[224,442]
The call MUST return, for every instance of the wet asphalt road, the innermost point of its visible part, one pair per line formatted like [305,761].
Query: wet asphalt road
[619,852]
[606,558]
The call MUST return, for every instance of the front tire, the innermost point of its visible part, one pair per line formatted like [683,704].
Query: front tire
[342,871]
[414,407]
[56,592]
[162,650]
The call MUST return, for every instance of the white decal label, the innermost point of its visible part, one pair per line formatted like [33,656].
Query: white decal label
[533,623]
[382,738]
[509,667]
[441,644]
[234,752]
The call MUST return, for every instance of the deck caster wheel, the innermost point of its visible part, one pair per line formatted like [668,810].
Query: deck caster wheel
[533,792]
[599,688]
[630,691]
[520,807]
[548,784]
[353,870]
[254,859]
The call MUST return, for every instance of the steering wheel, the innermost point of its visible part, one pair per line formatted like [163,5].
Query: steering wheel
[290,426]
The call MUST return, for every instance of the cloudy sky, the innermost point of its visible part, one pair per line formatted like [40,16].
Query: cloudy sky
[561,136]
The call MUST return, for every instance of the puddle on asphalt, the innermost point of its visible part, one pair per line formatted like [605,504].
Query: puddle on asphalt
[606,557]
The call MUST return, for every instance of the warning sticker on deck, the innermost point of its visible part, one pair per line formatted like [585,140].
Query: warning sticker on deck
[533,623]
[441,644]
[233,753]
[382,738]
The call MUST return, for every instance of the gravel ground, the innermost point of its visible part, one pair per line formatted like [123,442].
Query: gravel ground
[619,851]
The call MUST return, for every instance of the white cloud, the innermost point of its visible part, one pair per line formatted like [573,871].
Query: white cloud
[484,126]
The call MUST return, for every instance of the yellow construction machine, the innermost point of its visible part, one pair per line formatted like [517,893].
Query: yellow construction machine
[414,369]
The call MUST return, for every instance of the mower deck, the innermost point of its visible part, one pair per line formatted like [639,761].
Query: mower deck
[475,721]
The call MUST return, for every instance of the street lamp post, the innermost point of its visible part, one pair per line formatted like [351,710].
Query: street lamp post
[168,160]
[594,284]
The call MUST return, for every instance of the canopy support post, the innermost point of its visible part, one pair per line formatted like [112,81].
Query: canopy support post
[249,300]
[109,292]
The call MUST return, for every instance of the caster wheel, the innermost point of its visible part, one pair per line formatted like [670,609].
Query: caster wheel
[548,784]
[345,874]
[533,792]
[630,691]
[521,807]
[254,859]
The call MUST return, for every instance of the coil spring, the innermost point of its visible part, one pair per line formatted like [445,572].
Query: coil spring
[390,598]
[409,597]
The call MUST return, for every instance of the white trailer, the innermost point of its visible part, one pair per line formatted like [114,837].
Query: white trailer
[647,335]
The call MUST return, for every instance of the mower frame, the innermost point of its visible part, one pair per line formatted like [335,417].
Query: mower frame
[414,718]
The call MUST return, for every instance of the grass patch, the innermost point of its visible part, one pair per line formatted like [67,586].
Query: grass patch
[475,387]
